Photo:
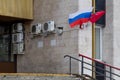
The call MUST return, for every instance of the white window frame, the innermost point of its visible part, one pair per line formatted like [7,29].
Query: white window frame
[99,27]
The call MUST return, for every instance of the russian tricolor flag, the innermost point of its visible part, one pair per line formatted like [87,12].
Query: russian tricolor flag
[80,17]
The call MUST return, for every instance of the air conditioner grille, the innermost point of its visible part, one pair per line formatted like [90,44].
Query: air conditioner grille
[33,29]
[15,27]
[46,26]
[15,37]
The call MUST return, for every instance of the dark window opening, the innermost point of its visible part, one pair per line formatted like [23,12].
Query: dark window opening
[100,71]
[5,44]
[100,5]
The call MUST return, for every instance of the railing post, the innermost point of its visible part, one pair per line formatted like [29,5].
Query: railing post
[108,69]
[82,66]
[70,65]
[110,73]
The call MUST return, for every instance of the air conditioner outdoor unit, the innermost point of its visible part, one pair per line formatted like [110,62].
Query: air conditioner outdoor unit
[18,37]
[18,48]
[49,26]
[17,27]
[36,29]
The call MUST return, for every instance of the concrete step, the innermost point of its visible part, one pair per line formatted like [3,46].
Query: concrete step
[37,76]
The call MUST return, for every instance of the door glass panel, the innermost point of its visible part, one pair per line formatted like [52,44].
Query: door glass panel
[5,47]
[98,53]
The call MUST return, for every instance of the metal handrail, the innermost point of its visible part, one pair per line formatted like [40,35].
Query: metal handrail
[99,62]
[83,62]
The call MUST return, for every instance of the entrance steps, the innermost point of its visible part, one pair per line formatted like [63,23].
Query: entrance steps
[36,76]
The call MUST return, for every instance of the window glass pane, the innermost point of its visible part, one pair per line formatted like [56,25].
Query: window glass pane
[12,58]
[100,5]
[3,48]
[3,58]
[5,45]
[97,43]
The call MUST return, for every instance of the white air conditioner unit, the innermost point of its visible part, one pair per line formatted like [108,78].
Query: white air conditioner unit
[18,48]
[36,29]
[49,26]
[18,37]
[17,27]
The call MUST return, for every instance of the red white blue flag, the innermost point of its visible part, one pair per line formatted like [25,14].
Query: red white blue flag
[80,17]
[84,14]
[96,16]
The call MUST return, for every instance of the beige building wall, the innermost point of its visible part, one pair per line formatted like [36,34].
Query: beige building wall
[49,57]
[85,38]
[116,38]
[116,29]
[107,39]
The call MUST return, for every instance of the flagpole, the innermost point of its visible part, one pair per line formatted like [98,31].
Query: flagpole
[93,40]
